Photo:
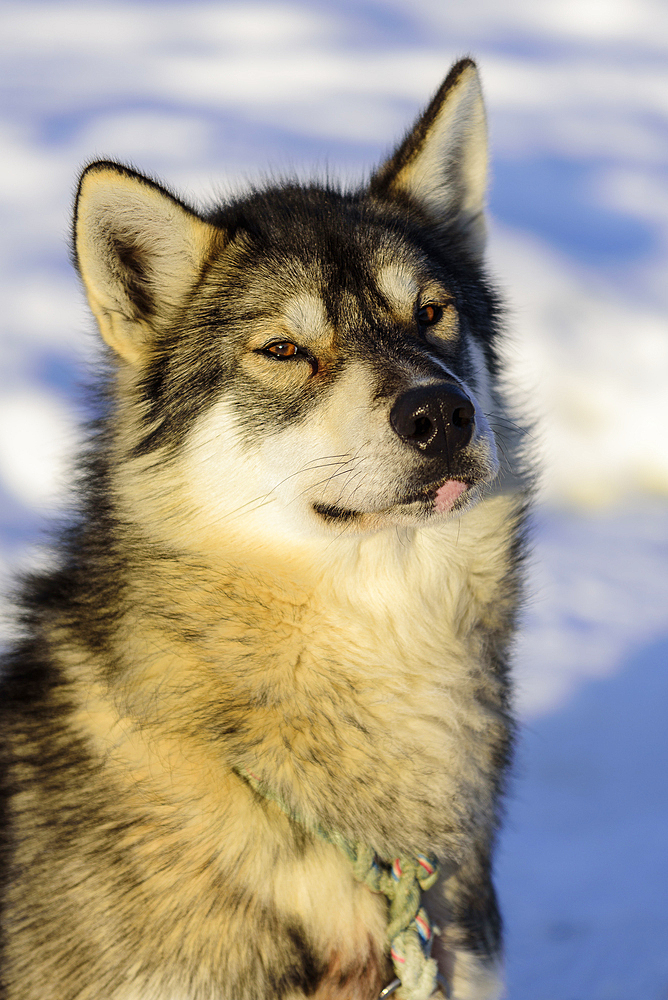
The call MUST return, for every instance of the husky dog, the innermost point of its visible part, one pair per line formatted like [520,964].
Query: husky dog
[281,618]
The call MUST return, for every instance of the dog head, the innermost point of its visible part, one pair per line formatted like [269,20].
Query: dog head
[303,359]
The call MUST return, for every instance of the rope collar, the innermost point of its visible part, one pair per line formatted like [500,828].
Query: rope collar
[402,881]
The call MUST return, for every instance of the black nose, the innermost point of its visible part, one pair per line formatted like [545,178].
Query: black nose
[436,419]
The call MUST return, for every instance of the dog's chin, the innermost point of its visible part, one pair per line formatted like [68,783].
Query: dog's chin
[433,503]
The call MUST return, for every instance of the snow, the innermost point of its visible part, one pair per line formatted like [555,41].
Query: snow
[582,867]
[206,95]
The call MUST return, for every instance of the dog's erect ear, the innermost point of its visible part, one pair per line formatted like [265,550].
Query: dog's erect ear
[139,252]
[441,166]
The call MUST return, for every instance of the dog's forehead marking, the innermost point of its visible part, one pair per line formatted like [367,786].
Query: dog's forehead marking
[306,315]
[399,285]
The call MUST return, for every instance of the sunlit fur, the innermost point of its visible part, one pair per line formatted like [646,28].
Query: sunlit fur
[258,578]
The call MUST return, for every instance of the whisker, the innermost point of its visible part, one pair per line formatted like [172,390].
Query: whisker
[327,479]
[265,498]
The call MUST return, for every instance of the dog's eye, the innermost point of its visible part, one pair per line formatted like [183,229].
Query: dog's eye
[284,349]
[429,314]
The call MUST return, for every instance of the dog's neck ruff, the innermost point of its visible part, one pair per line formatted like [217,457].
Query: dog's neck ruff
[402,881]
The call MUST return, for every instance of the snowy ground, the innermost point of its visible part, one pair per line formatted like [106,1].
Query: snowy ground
[582,865]
[204,95]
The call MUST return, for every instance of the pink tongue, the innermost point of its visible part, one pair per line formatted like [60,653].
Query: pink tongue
[447,494]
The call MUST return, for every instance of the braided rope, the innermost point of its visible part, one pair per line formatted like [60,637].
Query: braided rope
[409,930]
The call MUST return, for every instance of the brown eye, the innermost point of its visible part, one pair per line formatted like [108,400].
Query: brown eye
[283,350]
[429,314]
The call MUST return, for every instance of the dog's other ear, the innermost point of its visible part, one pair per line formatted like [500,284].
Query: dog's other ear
[441,165]
[139,251]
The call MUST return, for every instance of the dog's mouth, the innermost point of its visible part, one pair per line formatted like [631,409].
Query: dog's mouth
[440,498]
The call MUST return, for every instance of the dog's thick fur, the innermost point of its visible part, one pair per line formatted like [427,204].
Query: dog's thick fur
[297,555]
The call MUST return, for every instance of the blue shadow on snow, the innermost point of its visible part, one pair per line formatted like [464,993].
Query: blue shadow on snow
[582,862]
